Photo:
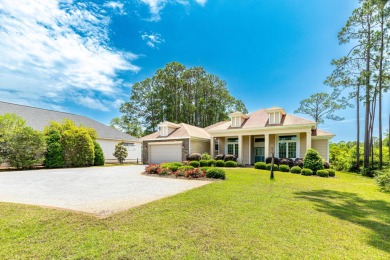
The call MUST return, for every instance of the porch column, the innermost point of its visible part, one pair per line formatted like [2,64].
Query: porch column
[240,152]
[266,145]
[250,150]
[308,140]
[212,147]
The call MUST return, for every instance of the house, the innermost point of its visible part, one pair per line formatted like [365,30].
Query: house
[252,138]
[173,142]
[255,136]
[107,136]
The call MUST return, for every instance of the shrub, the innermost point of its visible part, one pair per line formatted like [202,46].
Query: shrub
[203,163]
[206,156]
[171,166]
[230,157]
[194,157]
[164,171]
[284,168]
[268,167]
[152,169]
[99,156]
[54,154]
[268,160]
[383,180]
[230,164]
[205,168]
[260,165]
[298,162]
[326,165]
[287,161]
[194,164]
[306,172]
[182,170]
[120,152]
[215,173]
[313,161]
[177,163]
[332,172]
[295,169]
[195,173]
[212,162]
[220,163]
[323,173]
[220,157]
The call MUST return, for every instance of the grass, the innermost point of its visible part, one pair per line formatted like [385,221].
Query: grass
[246,216]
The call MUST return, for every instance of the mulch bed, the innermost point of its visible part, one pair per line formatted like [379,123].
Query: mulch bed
[172,176]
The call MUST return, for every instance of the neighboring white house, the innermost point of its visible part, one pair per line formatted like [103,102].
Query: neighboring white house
[108,136]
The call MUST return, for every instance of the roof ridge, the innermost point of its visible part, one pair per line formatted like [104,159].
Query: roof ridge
[41,108]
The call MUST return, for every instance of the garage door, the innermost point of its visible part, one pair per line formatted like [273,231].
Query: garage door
[160,153]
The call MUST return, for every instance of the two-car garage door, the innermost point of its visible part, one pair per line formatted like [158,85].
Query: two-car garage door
[163,152]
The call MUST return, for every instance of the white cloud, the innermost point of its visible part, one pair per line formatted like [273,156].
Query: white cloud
[152,39]
[201,2]
[92,103]
[155,6]
[117,6]
[52,48]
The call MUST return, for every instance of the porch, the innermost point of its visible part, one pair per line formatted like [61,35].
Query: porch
[257,147]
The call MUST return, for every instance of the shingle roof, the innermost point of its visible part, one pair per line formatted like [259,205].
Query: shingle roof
[184,131]
[320,133]
[259,119]
[38,118]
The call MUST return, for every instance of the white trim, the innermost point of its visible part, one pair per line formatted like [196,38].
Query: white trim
[119,140]
[262,130]
[162,143]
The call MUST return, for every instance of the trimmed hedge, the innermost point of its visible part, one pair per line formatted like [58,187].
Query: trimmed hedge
[194,164]
[215,173]
[332,172]
[306,172]
[284,168]
[268,167]
[220,157]
[194,157]
[260,165]
[203,163]
[268,160]
[206,156]
[326,165]
[220,163]
[323,173]
[287,161]
[230,157]
[296,169]
[171,166]
[313,160]
[298,162]
[230,164]
[212,163]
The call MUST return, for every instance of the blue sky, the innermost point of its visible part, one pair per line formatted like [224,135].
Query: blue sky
[83,56]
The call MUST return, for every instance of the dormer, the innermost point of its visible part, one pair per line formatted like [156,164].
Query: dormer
[275,115]
[237,118]
[165,128]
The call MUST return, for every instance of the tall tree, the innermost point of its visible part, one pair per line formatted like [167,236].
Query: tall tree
[180,95]
[127,125]
[320,106]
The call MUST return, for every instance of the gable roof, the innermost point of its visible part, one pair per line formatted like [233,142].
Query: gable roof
[38,118]
[259,119]
[184,131]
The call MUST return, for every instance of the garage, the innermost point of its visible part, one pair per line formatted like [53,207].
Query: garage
[165,152]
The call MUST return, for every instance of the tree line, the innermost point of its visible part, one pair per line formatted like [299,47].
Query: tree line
[176,94]
[361,75]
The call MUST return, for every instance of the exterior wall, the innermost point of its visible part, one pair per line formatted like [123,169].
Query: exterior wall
[322,147]
[303,145]
[145,148]
[197,146]
[245,150]
[108,147]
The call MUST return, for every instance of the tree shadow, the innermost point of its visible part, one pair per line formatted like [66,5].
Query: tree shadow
[371,214]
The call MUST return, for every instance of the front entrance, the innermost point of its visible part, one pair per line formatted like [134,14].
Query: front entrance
[259,154]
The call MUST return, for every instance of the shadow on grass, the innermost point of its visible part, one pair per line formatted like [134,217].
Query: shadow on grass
[371,214]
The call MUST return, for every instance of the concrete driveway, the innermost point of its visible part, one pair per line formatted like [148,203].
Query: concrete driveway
[97,190]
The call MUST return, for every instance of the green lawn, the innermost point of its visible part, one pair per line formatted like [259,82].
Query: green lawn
[246,216]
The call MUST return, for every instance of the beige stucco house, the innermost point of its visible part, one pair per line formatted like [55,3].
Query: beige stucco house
[252,138]
[255,136]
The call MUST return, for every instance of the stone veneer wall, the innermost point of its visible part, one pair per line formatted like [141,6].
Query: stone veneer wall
[145,148]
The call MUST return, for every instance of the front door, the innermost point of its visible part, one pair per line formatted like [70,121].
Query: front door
[259,154]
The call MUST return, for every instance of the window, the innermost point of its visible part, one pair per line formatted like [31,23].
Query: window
[232,146]
[259,140]
[274,118]
[287,146]
[216,145]
[232,140]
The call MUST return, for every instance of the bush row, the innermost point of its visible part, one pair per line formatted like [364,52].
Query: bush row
[206,157]
[188,171]
[295,169]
